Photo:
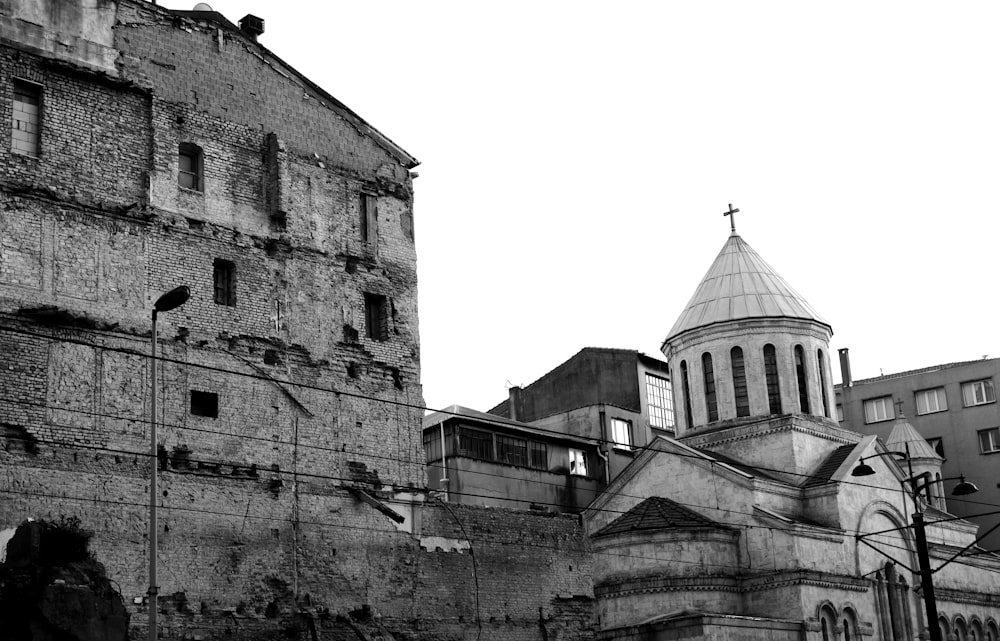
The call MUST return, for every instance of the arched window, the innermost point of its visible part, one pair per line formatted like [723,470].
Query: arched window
[821,365]
[893,604]
[961,630]
[740,382]
[976,630]
[850,625]
[992,632]
[800,377]
[771,375]
[828,623]
[710,400]
[687,394]
[944,626]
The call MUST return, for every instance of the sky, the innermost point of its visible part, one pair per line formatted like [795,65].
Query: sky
[577,156]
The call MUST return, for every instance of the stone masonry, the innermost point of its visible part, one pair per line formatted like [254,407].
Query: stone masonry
[281,398]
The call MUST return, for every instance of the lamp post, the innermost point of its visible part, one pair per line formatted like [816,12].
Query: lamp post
[171,300]
[919,534]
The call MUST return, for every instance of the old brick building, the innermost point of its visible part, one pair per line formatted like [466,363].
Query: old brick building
[143,148]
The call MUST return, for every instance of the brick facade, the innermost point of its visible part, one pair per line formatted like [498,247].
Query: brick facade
[258,532]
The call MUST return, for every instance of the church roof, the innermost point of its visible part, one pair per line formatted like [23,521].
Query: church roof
[740,285]
[906,439]
[824,473]
[656,513]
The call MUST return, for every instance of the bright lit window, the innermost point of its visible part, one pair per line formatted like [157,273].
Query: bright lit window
[978,392]
[621,433]
[931,400]
[879,409]
[577,462]
[989,440]
[661,403]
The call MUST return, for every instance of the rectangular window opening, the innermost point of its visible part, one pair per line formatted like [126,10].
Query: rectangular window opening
[225,282]
[989,440]
[26,122]
[368,217]
[190,166]
[930,401]
[978,392]
[938,445]
[879,409]
[660,401]
[577,462]
[376,317]
[621,433]
[204,404]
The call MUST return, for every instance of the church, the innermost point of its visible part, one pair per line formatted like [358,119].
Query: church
[763,518]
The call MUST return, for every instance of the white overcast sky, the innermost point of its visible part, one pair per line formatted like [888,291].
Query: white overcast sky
[576,158]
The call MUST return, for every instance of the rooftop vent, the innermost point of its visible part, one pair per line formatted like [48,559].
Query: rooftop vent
[252,26]
[202,6]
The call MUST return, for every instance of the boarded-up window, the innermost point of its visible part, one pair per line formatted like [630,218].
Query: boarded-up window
[368,217]
[26,124]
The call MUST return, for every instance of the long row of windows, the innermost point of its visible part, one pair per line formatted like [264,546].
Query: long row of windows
[930,401]
[740,390]
[492,447]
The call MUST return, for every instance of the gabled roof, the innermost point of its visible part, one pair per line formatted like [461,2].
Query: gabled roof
[739,465]
[657,513]
[741,285]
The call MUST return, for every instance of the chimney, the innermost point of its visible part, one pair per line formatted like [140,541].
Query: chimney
[845,367]
[514,396]
[252,26]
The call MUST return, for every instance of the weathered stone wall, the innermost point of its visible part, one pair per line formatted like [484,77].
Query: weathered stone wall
[261,529]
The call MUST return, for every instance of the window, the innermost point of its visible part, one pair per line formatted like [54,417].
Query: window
[931,400]
[740,382]
[802,379]
[661,403]
[771,375]
[475,444]
[26,124]
[513,451]
[879,409]
[621,433]
[978,392]
[225,282]
[989,440]
[937,444]
[204,404]
[368,217]
[538,455]
[687,394]
[821,365]
[376,318]
[577,462]
[710,400]
[840,413]
[189,166]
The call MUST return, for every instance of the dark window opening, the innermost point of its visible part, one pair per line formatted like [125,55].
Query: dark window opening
[225,282]
[397,378]
[368,217]
[350,334]
[771,376]
[820,362]
[513,451]
[353,370]
[709,374]
[687,395]
[802,379]
[271,357]
[740,382]
[204,404]
[190,166]
[475,444]
[376,317]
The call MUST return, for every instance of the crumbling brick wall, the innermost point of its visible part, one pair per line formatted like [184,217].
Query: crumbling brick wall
[257,526]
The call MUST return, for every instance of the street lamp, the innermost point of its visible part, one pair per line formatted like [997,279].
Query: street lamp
[171,300]
[964,488]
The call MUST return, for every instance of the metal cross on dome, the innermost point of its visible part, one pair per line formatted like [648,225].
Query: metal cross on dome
[732,217]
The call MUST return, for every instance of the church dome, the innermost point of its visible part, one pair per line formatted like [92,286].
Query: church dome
[741,285]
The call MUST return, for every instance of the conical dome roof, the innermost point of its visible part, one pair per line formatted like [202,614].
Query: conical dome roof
[740,285]
[906,439]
